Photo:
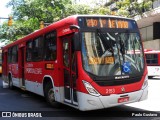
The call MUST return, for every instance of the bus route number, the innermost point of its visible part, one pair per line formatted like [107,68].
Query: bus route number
[110,91]
[92,22]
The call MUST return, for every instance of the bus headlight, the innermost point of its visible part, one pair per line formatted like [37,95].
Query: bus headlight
[145,84]
[90,89]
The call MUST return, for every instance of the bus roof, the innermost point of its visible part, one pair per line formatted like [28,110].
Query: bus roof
[70,20]
[110,16]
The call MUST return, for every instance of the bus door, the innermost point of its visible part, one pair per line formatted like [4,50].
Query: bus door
[5,64]
[21,68]
[69,63]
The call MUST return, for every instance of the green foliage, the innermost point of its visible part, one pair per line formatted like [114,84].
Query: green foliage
[122,12]
[76,9]
[100,10]
[27,15]
[130,9]
[11,33]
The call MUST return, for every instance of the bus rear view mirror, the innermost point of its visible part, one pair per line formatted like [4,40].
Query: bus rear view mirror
[76,42]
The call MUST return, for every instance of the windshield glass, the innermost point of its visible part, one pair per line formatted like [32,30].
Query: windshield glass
[110,54]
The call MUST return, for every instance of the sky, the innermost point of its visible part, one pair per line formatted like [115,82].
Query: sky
[4,11]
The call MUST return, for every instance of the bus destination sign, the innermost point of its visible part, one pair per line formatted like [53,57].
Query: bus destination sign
[107,23]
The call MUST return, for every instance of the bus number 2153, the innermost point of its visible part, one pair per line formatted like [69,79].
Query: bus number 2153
[110,91]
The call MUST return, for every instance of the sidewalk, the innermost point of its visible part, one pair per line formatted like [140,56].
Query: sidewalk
[153,101]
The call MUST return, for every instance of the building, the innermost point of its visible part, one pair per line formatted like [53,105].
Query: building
[149,26]
[148,22]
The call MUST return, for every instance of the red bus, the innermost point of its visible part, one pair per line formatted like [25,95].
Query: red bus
[85,61]
[153,62]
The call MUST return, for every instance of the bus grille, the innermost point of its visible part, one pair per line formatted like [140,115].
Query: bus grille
[118,82]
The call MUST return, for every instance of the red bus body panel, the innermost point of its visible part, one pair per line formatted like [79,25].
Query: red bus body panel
[36,72]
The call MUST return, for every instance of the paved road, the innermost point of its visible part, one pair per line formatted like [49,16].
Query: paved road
[19,101]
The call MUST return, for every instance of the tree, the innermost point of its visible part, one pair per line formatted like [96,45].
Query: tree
[130,8]
[28,14]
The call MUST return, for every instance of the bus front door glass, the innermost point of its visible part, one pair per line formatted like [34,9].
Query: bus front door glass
[69,73]
[21,59]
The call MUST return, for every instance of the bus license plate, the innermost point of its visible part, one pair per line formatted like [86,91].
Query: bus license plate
[124,99]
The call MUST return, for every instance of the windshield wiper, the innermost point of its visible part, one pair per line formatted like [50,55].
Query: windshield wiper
[123,40]
[122,48]
[105,42]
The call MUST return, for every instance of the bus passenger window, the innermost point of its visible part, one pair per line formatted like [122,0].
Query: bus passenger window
[37,49]
[13,54]
[10,55]
[29,51]
[50,46]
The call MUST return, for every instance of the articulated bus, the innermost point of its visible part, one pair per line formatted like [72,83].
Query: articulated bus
[85,61]
[153,62]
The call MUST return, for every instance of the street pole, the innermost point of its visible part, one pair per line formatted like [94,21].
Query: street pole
[9,20]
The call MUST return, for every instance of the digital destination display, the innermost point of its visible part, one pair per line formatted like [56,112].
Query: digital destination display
[107,23]
[98,60]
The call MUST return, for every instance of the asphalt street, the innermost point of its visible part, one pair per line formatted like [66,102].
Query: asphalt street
[20,101]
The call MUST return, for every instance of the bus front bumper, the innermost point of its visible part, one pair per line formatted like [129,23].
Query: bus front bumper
[89,102]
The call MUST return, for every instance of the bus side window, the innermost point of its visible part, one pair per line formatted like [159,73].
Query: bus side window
[50,46]
[10,55]
[13,54]
[29,51]
[37,52]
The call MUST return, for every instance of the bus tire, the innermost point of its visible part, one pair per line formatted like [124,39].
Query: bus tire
[50,96]
[10,82]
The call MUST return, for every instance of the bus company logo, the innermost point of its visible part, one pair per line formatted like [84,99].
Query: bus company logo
[122,77]
[34,70]
[66,30]
[18,114]
[123,89]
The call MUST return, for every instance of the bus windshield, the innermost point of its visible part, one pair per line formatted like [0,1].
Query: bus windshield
[112,53]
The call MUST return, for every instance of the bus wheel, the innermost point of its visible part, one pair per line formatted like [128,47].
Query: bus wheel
[10,83]
[50,96]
